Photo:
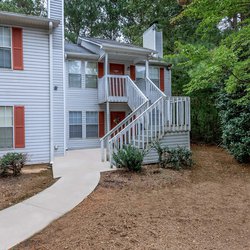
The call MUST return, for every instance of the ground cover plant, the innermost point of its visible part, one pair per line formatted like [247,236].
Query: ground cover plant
[12,163]
[129,157]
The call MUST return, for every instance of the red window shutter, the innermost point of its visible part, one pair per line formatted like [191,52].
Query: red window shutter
[17,47]
[132,72]
[19,127]
[101,124]
[162,88]
[100,70]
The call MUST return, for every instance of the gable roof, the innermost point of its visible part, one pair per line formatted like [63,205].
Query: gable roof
[77,51]
[107,44]
[10,18]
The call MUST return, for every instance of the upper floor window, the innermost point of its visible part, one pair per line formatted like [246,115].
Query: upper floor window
[75,77]
[6,127]
[154,74]
[140,72]
[5,47]
[91,73]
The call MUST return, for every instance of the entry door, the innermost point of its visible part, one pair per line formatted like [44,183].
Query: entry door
[116,69]
[117,86]
[116,117]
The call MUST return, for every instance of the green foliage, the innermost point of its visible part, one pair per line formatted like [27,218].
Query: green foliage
[129,157]
[218,64]
[12,163]
[235,122]
[29,7]
[176,158]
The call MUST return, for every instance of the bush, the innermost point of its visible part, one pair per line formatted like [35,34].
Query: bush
[12,163]
[235,122]
[176,158]
[129,157]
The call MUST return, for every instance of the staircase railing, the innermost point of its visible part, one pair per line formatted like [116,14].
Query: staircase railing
[137,101]
[165,114]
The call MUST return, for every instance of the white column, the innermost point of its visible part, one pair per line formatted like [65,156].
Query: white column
[147,68]
[107,92]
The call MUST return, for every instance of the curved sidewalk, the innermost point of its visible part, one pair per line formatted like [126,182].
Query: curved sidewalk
[79,173]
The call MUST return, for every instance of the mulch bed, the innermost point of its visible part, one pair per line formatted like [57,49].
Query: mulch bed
[203,208]
[16,189]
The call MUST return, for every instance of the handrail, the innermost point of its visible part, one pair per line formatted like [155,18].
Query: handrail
[124,121]
[165,114]
[137,101]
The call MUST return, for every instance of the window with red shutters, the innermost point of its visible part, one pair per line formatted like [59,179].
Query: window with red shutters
[100,70]
[162,87]
[17,47]
[132,72]
[19,126]
[101,124]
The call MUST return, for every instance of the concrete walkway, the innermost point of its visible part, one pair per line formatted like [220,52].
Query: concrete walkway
[79,173]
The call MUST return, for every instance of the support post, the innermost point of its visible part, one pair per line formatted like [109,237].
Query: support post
[147,76]
[107,103]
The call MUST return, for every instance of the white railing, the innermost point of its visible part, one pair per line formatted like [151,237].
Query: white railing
[123,86]
[117,88]
[165,114]
[149,89]
[153,93]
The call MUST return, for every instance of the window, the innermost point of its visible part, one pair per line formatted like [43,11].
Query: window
[154,75]
[140,72]
[91,73]
[75,78]
[75,124]
[6,127]
[91,124]
[5,47]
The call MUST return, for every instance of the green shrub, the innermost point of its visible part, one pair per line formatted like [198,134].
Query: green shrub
[176,158]
[129,157]
[235,122]
[12,163]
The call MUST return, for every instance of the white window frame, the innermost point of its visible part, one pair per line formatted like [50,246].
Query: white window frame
[11,50]
[85,68]
[158,68]
[69,61]
[86,124]
[75,138]
[13,127]
[142,66]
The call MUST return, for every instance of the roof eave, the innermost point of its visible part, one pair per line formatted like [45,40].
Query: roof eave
[81,56]
[9,18]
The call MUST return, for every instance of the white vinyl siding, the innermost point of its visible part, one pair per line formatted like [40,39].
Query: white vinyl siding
[6,127]
[91,124]
[30,88]
[154,74]
[91,73]
[5,47]
[75,124]
[75,79]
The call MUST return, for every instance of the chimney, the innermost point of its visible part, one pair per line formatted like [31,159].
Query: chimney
[152,39]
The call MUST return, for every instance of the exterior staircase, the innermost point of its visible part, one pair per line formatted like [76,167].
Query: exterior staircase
[154,116]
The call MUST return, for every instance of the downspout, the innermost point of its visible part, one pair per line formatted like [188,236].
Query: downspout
[51,92]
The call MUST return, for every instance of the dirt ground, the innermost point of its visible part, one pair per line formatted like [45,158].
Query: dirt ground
[207,207]
[33,180]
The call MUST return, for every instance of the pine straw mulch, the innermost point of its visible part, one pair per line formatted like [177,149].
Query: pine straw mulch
[203,208]
[33,180]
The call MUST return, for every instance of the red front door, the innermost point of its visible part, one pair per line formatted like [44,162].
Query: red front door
[116,117]
[116,69]
[117,85]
